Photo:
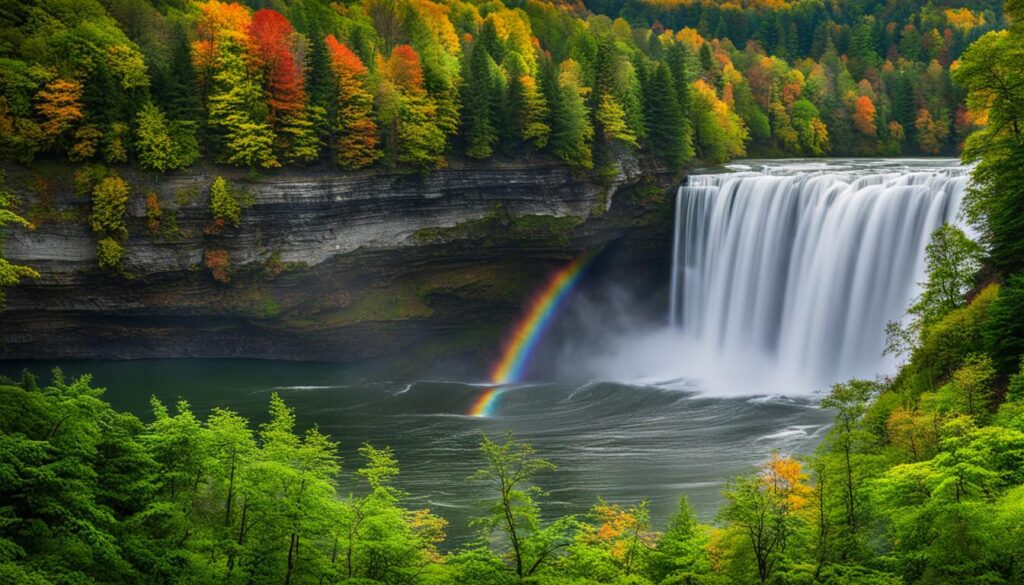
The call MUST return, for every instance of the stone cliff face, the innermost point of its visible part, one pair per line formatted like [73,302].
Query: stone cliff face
[325,265]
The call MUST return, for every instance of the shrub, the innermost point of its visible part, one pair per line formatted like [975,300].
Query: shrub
[225,207]
[109,203]
[947,344]
[109,253]
[219,265]
[153,213]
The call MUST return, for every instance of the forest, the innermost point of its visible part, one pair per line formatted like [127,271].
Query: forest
[920,479]
[410,83]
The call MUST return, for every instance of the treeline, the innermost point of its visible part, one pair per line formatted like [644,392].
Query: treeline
[411,82]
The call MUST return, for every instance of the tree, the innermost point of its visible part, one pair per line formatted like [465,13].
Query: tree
[354,127]
[407,113]
[60,105]
[931,133]
[225,207]
[270,41]
[990,73]
[510,471]
[974,385]
[864,116]
[571,131]
[719,132]
[528,106]
[952,261]
[1004,330]
[612,118]
[765,509]
[666,131]
[481,101]
[850,400]
[157,144]
[237,110]
[680,552]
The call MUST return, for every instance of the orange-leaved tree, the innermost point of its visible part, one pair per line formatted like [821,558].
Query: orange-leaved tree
[355,129]
[270,41]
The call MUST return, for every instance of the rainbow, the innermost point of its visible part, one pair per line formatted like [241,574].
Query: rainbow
[528,332]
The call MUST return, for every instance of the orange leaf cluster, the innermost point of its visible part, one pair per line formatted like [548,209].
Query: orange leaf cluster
[60,105]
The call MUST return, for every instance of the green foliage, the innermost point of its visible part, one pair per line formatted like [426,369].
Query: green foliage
[10,274]
[109,201]
[237,112]
[259,88]
[1004,330]
[108,221]
[163,146]
[665,127]
[571,130]
[109,253]
[952,260]
[225,206]
[990,72]
[513,510]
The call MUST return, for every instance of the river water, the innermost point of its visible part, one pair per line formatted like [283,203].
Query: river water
[620,442]
[775,294]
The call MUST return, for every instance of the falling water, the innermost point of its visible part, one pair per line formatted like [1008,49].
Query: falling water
[804,266]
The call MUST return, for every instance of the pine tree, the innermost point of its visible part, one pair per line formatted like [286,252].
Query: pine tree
[178,95]
[480,103]
[571,131]
[527,107]
[666,130]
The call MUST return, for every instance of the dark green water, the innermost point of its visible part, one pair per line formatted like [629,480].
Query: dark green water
[621,442]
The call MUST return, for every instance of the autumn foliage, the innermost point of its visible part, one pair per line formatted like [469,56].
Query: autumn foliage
[219,265]
[864,116]
[355,128]
[410,82]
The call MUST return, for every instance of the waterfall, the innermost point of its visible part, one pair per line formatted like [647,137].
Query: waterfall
[803,267]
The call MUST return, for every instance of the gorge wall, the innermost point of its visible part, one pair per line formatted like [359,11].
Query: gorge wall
[324,265]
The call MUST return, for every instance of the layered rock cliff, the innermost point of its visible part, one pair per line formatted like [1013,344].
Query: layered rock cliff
[324,265]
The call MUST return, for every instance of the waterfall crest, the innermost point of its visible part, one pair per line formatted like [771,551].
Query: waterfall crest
[804,267]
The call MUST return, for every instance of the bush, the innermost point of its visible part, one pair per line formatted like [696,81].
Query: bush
[225,207]
[947,344]
[108,254]
[109,205]
[219,265]
[153,213]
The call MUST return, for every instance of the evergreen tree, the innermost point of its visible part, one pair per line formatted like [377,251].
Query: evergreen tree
[666,130]
[571,131]
[480,116]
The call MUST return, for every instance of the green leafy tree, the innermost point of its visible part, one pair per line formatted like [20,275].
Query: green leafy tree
[1004,329]
[237,111]
[850,400]
[990,72]
[513,511]
[225,207]
[160,145]
[10,274]
[952,261]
